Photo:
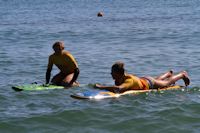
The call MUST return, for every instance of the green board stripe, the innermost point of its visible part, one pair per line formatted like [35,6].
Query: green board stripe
[30,87]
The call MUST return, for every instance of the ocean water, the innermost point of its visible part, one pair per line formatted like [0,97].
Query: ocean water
[149,36]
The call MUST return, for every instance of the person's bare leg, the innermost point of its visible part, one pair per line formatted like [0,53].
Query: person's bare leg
[68,79]
[165,75]
[57,79]
[164,83]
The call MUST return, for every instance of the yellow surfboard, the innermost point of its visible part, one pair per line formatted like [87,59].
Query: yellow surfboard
[102,94]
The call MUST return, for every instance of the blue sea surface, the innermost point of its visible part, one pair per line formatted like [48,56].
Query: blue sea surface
[149,36]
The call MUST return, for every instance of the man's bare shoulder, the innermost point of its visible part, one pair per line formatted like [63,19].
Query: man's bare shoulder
[66,52]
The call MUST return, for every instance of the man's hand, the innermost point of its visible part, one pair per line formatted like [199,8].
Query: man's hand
[98,86]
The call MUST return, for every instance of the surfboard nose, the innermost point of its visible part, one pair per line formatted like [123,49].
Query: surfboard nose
[16,89]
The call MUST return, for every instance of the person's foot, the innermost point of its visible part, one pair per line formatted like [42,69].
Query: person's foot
[186,78]
[171,71]
[76,84]
[168,74]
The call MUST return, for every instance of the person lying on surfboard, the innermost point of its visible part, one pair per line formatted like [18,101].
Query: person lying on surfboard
[124,81]
[67,65]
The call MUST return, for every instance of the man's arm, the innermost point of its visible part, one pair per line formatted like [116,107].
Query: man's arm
[48,72]
[48,75]
[116,89]
[76,73]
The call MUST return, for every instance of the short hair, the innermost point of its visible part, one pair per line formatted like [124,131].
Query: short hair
[58,43]
[118,67]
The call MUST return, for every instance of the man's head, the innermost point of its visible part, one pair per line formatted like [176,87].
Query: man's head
[58,47]
[117,70]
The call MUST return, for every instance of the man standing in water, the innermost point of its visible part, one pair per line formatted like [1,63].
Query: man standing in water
[66,64]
